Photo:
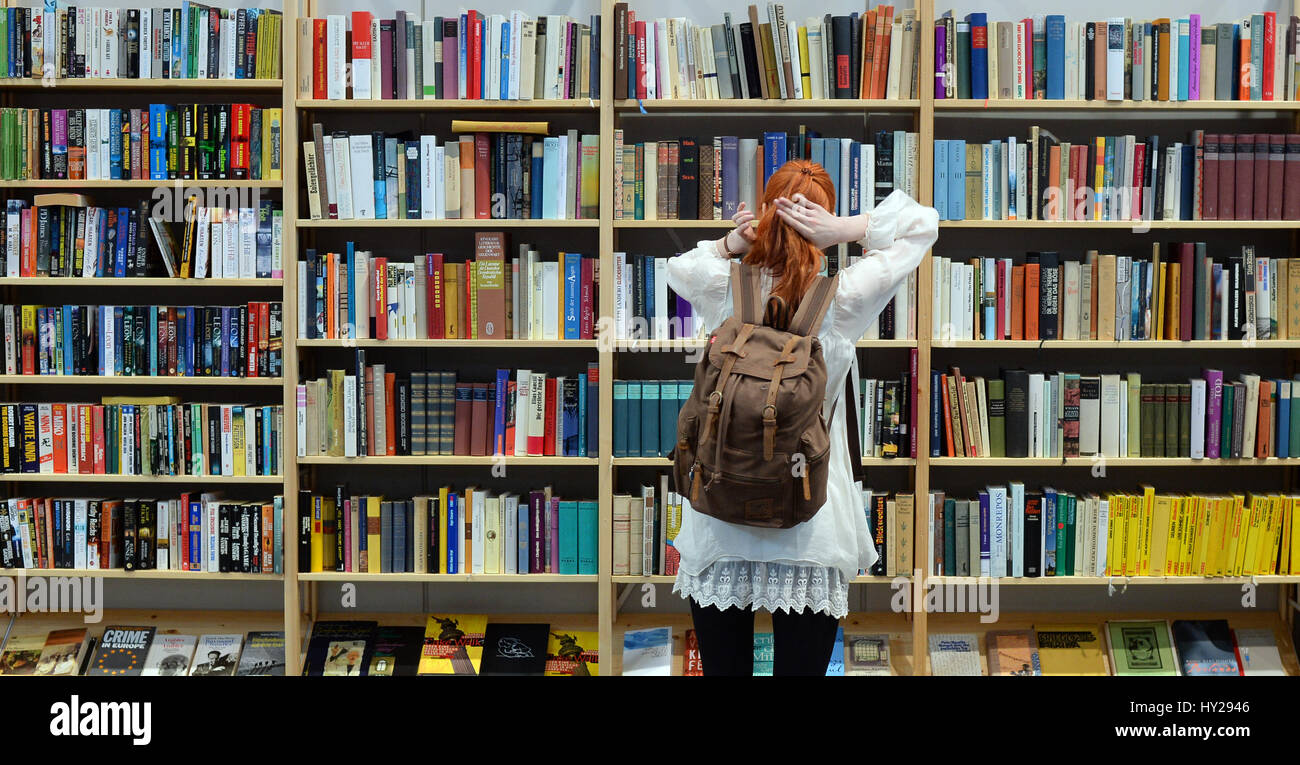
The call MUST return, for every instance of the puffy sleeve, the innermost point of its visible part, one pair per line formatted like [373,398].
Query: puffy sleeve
[898,235]
[702,278]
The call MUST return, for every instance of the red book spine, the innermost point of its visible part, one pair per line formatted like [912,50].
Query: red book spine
[1270,50]
[97,428]
[1227,176]
[379,309]
[183,526]
[253,321]
[438,327]
[1139,173]
[1210,178]
[641,73]
[84,440]
[548,437]
[1186,296]
[1003,297]
[1259,198]
[475,43]
[390,409]
[947,415]
[587,325]
[59,427]
[464,406]
[1245,169]
[1276,168]
[1291,178]
[28,260]
[318,81]
[482,176]
[512,390]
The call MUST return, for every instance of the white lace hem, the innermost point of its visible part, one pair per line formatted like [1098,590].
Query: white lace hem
[769,586]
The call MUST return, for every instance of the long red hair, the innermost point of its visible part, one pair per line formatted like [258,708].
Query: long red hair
[792,260]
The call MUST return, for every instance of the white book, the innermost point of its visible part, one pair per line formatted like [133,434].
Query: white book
[895,60]
[516,40]
[477,537]
[109,53]
[300,413]
[93,172]
[80,517]
[376,73]
[228,48]
[997,563]
[361,286]
[90,252]
[523,378]
[342,179]
[1115,59]
[110,344]
[655,56]
[247,243]
[536,413]
[103,143]
[336,55]
[551,302]
[439,184]
[1112,407]
[146,44]
[816,59]
[349,416]
[361,152]
[1198,417]
[1037,439]
[555,28]
[1016,539]
[428,177]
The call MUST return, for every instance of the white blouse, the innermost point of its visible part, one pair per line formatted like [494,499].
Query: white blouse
[899,233]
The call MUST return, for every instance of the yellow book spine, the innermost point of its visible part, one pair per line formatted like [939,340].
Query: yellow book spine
[272,136]
[1189,542]
[806,72]
[1258,508]
[1233,534]
[237,441]
[1295,534]
[1113,507]
[317,536]
[1219,541]
[471,274]
[441,564]
[1172,533]
[1132,544]
[1159,536]
[374,538]
[1274,526]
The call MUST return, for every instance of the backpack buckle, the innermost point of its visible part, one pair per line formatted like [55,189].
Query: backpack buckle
[769,430]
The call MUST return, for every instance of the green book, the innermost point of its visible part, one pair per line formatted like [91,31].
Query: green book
[949,537]
[1148,423]
[1171,421]
[1185,420]
[1157,420]
[1295,417]
[1140,647]
[997,417]
[1225,442]
[963,59]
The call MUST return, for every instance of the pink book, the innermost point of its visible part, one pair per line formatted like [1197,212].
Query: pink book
[450,60]
[1213,411]
[586,324]
[347,535]
[385,58]
[568,61]
[914,394]
[553,537]
[1139,171]
[1194,63]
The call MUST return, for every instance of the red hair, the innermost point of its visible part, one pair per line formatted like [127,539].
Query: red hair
[792,260]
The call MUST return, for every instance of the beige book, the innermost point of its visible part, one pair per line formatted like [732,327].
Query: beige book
[891,538]
[904,528]
[450,180]
[1106,288]
[466,154]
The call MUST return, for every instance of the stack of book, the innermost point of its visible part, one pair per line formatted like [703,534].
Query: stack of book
[471,531]
[64,235]
[354,295]
[1066,414]
[176,341]
[887,418]
[1008,531]
[141,436]
[707,179]
[127,651]
[483,174]
[159,143]
[892,518]
[1180,294]
[1116,59]
[190,42]
[377,413]
[195,532]
[646,522]
[474,56]
[1211,176]
[872,55]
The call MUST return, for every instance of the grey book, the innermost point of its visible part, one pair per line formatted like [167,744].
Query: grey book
[963,537]
[721,61]
[1223,79]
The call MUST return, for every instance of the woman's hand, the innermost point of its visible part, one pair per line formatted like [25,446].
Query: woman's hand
[741,238]
[817,224]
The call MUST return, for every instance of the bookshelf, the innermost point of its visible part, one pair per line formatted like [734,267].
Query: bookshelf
[303,594]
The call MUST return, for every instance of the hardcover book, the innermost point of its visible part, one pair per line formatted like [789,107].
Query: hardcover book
[515,649]
[573,654]
[337,647]
[396,651]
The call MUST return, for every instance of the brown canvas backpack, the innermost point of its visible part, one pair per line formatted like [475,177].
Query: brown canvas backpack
[752,444]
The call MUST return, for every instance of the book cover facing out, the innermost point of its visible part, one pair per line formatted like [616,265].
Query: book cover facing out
[515,649]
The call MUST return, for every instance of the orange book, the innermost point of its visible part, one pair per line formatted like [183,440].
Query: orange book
[870,32]
[1017,302]
[947,415]
[1243,76]
[880,63]
[1054,191]
[1031,301]
[1161,29]
[1173,306]
[1264,428]
[390,382]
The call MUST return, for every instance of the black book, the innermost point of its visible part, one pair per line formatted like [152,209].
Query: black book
[363,435]
[884,164]
[1236,301]
[304,531]
[1033,533]
[340,497]
[842,47]
[397,650]
[121,652]
[130,521]
[1017,413]
[514,649]
[750,54]
[131,57]
[1045,143]
[855,54]
[688,180]
[879,533]
[1172,418]
[1090,60]
[340,648]
[146,533]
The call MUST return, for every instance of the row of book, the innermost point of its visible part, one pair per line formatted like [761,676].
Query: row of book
[354,295]
[158,143]
[645,307]
[382,413]
[694,179]
[476,56]
[64,235]
[646,522]
[470,531]
[191,533]
[497,174]
[189,42]
[1115,59]
[451,644]
[1181,294]
[645,416]
[145,340]
[1066,414]
[1008,531]
[143,437]
[874,54]
[1211,176]
[128,651]
[1132,647]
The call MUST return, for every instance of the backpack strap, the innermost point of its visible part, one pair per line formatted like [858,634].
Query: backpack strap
[812,309]
[745,293]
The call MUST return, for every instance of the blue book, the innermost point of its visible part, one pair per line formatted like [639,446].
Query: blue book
[831,161]
[1256,56]
[118,360]
[553,189]
[568,537]
[941,178]
[68,322]
[350,289]
[505,61]
[985,560]
[572,294]
[582,415]
[453,541]
[101,268]
[1184,58]
[1108,182]
[535,180]
[650,418]
[381,174]
[997,173]
[817,148]
[115,144]
[1055,57]
[855,177]
[668,408]
[568,393]
[633,420]
[835,668]
[158,142]
[119,256]
[648,289]
[1049,532]
[593,413]
[730,175]
[774,154]
[588,537]
[979,54]
[499,418]
[196,537]
[1283,439]
[1236,62]
[620,418]
[957,180]
[523,536]
[153,340]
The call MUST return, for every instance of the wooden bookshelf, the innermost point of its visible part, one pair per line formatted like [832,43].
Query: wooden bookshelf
[471,223]
[452,461]
[63,183]
[145,574]
[447,343]
[191,480]
[1111,107]
[111,380]
[766,105]
[99,282]
[348,576]
[448,104]
[146,85]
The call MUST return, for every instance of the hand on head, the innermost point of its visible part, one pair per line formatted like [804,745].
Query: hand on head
[813,222]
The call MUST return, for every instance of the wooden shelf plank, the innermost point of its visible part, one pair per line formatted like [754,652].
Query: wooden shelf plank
[633,106]
[1084,462]
[454,460]
[144,479]
[664,462]
[105,282]
[690,344]
[345,576]
[472,223]
[455,343]
[718,225]
[259,382]
[449,104]
[1110,107]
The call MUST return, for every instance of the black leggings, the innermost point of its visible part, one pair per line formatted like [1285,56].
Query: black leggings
[802,642]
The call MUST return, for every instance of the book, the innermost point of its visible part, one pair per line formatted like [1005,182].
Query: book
[1140,647]
[572,654]
[64,652]
[515,649]
[1070,649]
[1013,652]
[337,647]
[262,655]
[453,644]
[217,655]
[121,651]
[170,655]
[954,654]
[867,654]
[648,651]
[1205,647]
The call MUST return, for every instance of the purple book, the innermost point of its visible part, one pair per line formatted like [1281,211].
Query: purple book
[450,59]
[1213,411]
[986,563]
[568,60]
[685,318]
[536,528]
[730,176]
[59,141]
[385,64]
[940,62]
[553,536]
[1194,65]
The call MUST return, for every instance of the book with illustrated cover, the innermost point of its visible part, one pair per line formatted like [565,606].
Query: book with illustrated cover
[453,644]
[170,655]
[1140,647]
[866,654]
[332,642]
[1205,647]
[121,651]
[63,653]
[1071,649]
[217,655]
[515,649]
[396,651]
[648,651]
[263,654]
[955,654]
[572,654]
[1257,652]
[1013,653]
[764,654]
[21,654]
[835,667]
[691,664]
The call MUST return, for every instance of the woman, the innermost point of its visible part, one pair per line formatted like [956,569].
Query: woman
[800,574]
